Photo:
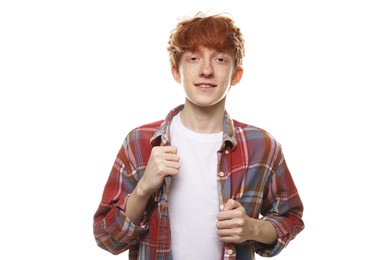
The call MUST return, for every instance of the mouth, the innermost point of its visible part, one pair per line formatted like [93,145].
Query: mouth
[205,85]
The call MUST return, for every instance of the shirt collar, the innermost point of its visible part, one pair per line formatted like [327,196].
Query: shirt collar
[162,137]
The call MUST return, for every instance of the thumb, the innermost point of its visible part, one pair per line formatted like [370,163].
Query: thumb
[231,204]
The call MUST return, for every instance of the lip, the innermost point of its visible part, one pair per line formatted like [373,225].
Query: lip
[205,85]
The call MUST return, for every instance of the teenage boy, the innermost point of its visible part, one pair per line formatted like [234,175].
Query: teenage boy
[199,185]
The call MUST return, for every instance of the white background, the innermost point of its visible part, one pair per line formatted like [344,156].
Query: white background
[76,76]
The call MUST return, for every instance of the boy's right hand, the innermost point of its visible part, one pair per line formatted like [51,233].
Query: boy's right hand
[163,161]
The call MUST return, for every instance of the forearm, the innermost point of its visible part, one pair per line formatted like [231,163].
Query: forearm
[136,204]
[262,231]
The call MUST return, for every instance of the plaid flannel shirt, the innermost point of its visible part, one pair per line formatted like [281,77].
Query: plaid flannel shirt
[251,170]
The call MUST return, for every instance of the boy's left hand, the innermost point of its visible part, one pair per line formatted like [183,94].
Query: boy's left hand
[233,225]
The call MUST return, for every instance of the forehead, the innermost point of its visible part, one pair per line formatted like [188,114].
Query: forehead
[206,50]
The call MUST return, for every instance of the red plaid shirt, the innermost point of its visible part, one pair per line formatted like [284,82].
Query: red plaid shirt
[251,170]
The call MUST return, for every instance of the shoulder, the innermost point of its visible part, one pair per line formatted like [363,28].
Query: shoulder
[136,145]
[145,131]
[141,135]
[257,142]
[251,132]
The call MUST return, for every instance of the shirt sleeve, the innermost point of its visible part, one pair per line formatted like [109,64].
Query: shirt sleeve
[113,230]
[283,207]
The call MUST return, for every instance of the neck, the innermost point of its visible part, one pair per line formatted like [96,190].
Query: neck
[206,120]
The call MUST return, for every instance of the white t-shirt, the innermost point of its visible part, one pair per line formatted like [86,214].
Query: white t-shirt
[193,198]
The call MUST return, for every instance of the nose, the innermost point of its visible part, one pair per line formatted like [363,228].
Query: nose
[206,69]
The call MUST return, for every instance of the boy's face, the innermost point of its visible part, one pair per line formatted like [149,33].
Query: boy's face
[206,76]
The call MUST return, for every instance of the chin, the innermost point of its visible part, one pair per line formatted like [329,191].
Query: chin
[204,103]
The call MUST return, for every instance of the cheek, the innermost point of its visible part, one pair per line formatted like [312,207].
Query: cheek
[223,78]
[189,74]
[224,74]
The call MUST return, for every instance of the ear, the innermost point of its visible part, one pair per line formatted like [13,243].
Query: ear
[176,74]
[236,78]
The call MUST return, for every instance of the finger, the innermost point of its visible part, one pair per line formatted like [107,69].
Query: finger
[224,215]
[227,236]
[225,232]
[172,165]
[171,157]
[231,214]
[168,168]
[225,224]
[171,171]
[164,150]
[169,149]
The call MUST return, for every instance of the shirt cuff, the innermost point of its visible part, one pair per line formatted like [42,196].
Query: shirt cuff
[272,250]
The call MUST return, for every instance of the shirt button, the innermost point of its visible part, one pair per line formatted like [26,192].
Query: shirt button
[221,174]
[230,251]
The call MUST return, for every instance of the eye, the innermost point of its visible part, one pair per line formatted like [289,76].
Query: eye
[222,59]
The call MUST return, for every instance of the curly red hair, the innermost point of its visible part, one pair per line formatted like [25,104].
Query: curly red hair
[214,32]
